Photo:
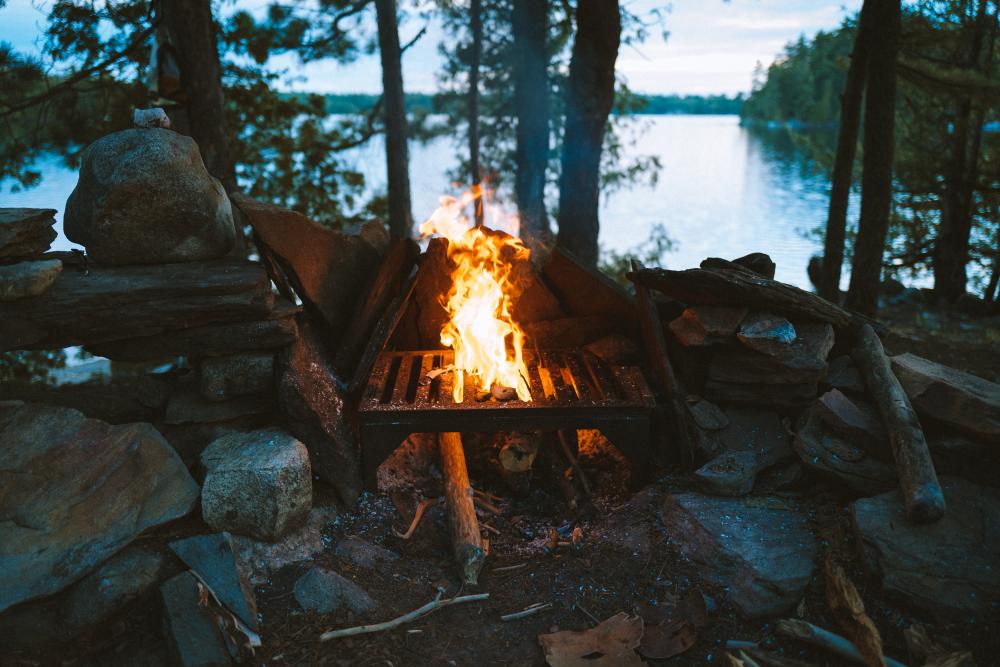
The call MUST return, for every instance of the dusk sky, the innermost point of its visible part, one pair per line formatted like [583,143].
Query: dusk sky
[712,47]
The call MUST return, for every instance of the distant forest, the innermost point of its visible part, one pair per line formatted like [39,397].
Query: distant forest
[419,103]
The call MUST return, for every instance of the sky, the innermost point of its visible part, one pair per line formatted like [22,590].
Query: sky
[712,46]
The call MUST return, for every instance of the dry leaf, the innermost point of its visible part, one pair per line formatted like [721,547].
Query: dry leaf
[952,659]
[611,643]
[672,628]
[845,603]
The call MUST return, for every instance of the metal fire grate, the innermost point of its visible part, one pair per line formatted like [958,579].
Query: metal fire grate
[569,389]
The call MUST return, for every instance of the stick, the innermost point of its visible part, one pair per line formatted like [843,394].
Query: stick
[432,606]
[466,540]
[424,504]
[534,609]
[577,470]
[811,634]
[919,483]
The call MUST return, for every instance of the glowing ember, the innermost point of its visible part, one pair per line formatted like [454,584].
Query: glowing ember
[488,343]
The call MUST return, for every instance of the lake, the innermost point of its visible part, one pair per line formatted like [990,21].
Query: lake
[724,191]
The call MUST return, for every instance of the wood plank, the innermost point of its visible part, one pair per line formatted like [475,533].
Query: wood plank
[380,336]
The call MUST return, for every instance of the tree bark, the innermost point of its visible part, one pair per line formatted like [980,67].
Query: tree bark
[590,93]
[192,31]
[951,252]
[397,155]
[530,26]
[466,541]
[879,141]
[476,53]
[843,165]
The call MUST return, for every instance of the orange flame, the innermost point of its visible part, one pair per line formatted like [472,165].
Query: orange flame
[488,343]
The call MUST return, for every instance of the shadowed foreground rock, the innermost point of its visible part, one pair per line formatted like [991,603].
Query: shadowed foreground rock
[762,551]
[948,568]
[26,232]
[73,491]
[145,197]
[26,279]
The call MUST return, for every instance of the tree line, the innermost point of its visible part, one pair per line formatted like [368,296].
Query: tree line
[528,86]
[912,87]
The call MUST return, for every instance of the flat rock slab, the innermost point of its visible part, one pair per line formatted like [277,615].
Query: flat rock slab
[257,484]
[760,550]
[328,269]
[192,633]
[213,559]
[946,395]
[26,232]
[87,308]
[860,426]
[27,279]
[758,431]
[323,591]
[842,374]
[949,568]
[707,325]
[145,197]
[803,361]
[74,491]
[186,405]
[236,375]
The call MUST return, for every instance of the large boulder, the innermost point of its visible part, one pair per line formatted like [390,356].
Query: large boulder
[145,197]
[948,568]
[25,232]
[761,552]
[948,396]
[257,484]
[74,491]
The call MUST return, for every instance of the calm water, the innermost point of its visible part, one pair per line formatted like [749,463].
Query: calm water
[724,191]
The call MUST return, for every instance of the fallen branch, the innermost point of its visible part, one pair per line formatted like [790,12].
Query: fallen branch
[817,636]
[849,610]
[533,609]
[421,508]
[432,606]
[466,539]
[918,481]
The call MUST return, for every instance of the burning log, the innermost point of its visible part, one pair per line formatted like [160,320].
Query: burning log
[466,540]
[917,478]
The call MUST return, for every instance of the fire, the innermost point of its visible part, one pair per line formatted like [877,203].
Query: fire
[488,343]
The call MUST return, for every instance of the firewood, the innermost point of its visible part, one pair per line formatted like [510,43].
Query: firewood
[518,452]
[390,279]
[656,350]
[466,540]
[380,336]
[849,610]
[720,286]
[918,480]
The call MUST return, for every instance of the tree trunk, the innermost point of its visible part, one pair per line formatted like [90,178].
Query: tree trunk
[590,93]
[531,104]
[843,165]
[192,31]
[397,155]
[476,25]
[876,178]
[951,252]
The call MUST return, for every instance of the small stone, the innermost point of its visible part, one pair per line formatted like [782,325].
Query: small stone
[847,420]
[26,232]
[363,553]
[213,559]
[729,474]
[27,279]
[707,415]
[262,559]
[192,634]
[323,591]
[845,376]
[948,396]
[758,262]
[850,467]
[948,568]
[759,549]
[223,378]
[707,325]
[767,333]
[147,118]
[258,484]
[145,197]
